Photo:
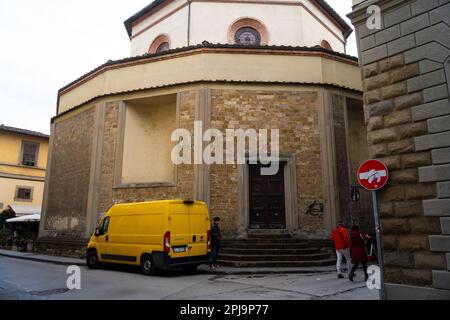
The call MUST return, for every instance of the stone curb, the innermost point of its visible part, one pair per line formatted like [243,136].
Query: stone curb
[46,259]
[201,270]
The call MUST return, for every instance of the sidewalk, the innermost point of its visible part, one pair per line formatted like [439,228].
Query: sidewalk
[42,258]
[203,269]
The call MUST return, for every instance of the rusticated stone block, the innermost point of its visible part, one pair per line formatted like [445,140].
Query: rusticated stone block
[372,96]
[441,279]
[391,63]
[408,101]
[386,209]
[428,260]
[378,81]
[395,226]
[417,277]
[390,242]
[425,225]
[394,90]
[381,108]
[393,163]
[412,130]
[420,191]
[405,72]
[405,176]
[400,147]
[393,193]
[413,243]
[440,243]
[437,208]
[399,259]
[383,135]
[397,118]
[371,70]
[379,150]
[393,274]
[415,160]
[375,123]
[406,209]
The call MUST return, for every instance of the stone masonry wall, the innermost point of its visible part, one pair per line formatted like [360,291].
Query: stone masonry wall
[406,73]
[185,173]
[108,155]
[69,179]
[296,115]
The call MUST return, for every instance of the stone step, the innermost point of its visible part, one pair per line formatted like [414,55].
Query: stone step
[269,236]
[270,246]
[270,240]
[277,264]
[278,258]
[269,252]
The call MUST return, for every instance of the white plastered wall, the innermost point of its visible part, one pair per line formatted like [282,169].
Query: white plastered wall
[290,25]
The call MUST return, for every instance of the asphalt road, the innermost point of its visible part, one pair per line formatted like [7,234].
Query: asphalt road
[29,280]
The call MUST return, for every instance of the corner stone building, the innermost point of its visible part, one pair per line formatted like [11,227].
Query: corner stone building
[406,70]
[111,137]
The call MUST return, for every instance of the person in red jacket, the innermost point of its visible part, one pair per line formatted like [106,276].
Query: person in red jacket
[341,243]
[358,251]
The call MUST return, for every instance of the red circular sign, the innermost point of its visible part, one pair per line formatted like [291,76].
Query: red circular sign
[373,175]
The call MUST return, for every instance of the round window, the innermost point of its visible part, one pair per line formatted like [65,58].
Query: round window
[248,36]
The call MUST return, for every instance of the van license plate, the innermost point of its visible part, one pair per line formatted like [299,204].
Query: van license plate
[179,249]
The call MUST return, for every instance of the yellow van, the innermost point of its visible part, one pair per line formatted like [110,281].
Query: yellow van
[154,235]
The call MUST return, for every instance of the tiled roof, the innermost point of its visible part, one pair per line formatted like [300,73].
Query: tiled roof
[321,3]
[23,131]
[208,45]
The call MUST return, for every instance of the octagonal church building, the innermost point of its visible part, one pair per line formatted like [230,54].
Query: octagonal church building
[247,64]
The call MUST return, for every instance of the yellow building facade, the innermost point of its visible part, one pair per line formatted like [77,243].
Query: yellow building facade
[23,160]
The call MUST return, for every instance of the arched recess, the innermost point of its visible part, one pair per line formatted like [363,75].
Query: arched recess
[248,25]
[160,44]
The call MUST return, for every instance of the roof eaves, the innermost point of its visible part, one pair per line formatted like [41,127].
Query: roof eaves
[23,131]
[129,22]
[207,45]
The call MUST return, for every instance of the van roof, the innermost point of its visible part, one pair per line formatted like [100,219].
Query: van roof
[152,205]
[163,202]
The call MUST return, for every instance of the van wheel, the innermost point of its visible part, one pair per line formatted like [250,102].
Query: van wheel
[92,260]
[148,266]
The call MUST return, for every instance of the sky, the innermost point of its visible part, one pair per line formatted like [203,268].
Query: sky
[47,44]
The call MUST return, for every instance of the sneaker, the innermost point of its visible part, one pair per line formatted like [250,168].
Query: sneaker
[212,267]
[216,266]
[340,276]
[350,277]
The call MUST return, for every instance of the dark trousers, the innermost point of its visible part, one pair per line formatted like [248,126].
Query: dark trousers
[356,266]
[214,252]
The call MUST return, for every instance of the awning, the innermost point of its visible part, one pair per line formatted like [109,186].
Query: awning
[22,210]
[27,218]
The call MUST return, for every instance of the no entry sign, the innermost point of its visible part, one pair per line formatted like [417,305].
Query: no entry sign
[373,175]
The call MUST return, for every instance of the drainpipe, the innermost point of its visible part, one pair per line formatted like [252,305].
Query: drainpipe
[189,24]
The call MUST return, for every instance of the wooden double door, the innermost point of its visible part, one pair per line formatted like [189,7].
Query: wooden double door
[267,199]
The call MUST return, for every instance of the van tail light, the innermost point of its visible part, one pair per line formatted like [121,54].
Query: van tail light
[209,240]
[167,242]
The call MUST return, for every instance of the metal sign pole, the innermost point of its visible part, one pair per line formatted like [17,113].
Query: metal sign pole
[380,251]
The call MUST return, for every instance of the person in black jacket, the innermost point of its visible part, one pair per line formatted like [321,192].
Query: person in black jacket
[216,235]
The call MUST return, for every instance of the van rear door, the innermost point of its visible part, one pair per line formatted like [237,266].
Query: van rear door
[199,225]
[179,230]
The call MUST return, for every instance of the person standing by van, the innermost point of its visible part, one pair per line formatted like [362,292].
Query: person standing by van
[341,243]
[216,236]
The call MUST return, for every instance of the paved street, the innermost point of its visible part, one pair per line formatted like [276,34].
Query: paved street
[23,279]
